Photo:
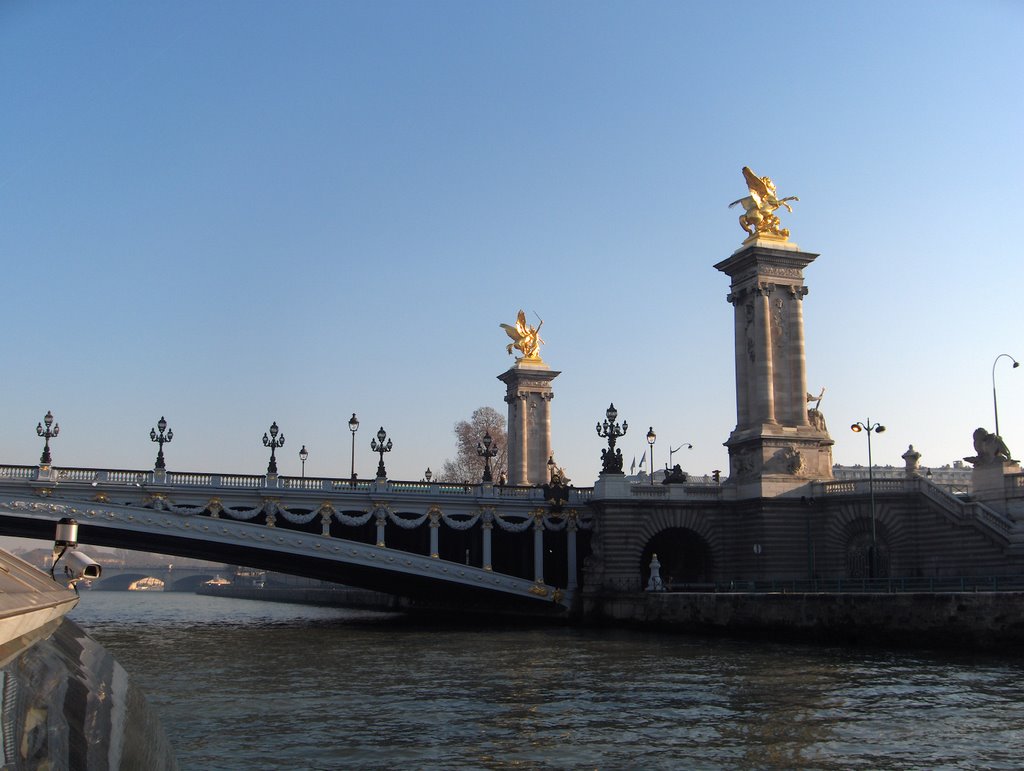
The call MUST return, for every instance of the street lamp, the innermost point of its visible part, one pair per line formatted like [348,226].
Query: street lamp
[995,406]
[303,455]
[611,459]
[47,434]
[486,452]
[428,474]
[161,439]
[672,452]
[382,445]
[353,426]
[651,437]
[876,428]
[273,443]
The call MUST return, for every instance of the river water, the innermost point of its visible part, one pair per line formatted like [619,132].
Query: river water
[251,685]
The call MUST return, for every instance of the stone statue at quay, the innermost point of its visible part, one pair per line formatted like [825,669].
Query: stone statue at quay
[525,337]
[991,449]
[759,207]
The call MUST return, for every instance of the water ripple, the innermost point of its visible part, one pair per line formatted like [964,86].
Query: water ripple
[261,686]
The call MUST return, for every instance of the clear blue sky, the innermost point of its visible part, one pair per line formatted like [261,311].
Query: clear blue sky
[232,213]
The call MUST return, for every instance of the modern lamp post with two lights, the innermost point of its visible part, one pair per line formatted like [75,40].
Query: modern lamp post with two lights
[871,428]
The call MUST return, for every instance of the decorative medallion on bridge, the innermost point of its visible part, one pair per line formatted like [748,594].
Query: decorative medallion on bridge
[556,491]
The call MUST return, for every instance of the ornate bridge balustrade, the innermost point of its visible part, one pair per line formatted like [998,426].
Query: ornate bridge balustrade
[501,530]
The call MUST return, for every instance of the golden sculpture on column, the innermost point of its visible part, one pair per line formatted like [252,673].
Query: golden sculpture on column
[759,218]
[525,337]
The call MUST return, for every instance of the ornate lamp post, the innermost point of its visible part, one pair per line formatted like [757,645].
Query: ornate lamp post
[47,434]
[428,474]
[161,439]
[382,445]
[273,442]
[876,428]
[303,456]
[611,459]
[651,437]
[353,426]
[995,405]
[486,452]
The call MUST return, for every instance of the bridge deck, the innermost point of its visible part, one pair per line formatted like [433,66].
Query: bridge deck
[498,542]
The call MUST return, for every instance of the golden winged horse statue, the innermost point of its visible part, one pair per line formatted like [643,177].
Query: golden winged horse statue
[759,207]
[525,338]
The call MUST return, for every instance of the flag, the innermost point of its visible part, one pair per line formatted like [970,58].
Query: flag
[643,460]
[632,466]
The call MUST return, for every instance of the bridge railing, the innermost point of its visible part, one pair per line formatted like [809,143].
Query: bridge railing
[954,506]
[18,472]
[694,487]
[193,479]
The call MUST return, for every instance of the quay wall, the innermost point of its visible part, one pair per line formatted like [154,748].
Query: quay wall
[983,620]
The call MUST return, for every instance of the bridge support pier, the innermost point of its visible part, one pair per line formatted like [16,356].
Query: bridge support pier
[570,537]
[777,445]
[538,547]
[435,525]
[528,395]
[488,525]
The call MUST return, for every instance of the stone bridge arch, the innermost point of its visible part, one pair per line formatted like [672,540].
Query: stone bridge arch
[848,539]
[685,544]
[121,581]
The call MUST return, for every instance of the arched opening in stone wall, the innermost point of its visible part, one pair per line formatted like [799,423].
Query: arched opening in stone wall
[684,555]
[867,557]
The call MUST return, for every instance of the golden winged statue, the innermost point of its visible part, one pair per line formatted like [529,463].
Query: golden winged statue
[525,338]
[759,216]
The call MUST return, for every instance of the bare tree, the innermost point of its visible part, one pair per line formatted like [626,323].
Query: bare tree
[468,466]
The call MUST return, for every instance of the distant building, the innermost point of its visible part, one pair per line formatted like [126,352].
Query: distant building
[954,479]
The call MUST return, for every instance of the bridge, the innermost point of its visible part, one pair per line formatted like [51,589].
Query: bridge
[175,578]
[500,547]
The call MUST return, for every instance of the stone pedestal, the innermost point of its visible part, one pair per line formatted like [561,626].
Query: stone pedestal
[778,445]
[528,394]
[988,482]
[611,485]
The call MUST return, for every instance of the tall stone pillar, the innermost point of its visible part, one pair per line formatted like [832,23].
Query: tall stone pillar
[528,394]
[777,445]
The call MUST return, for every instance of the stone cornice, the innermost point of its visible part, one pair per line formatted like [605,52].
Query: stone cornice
[756,261]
